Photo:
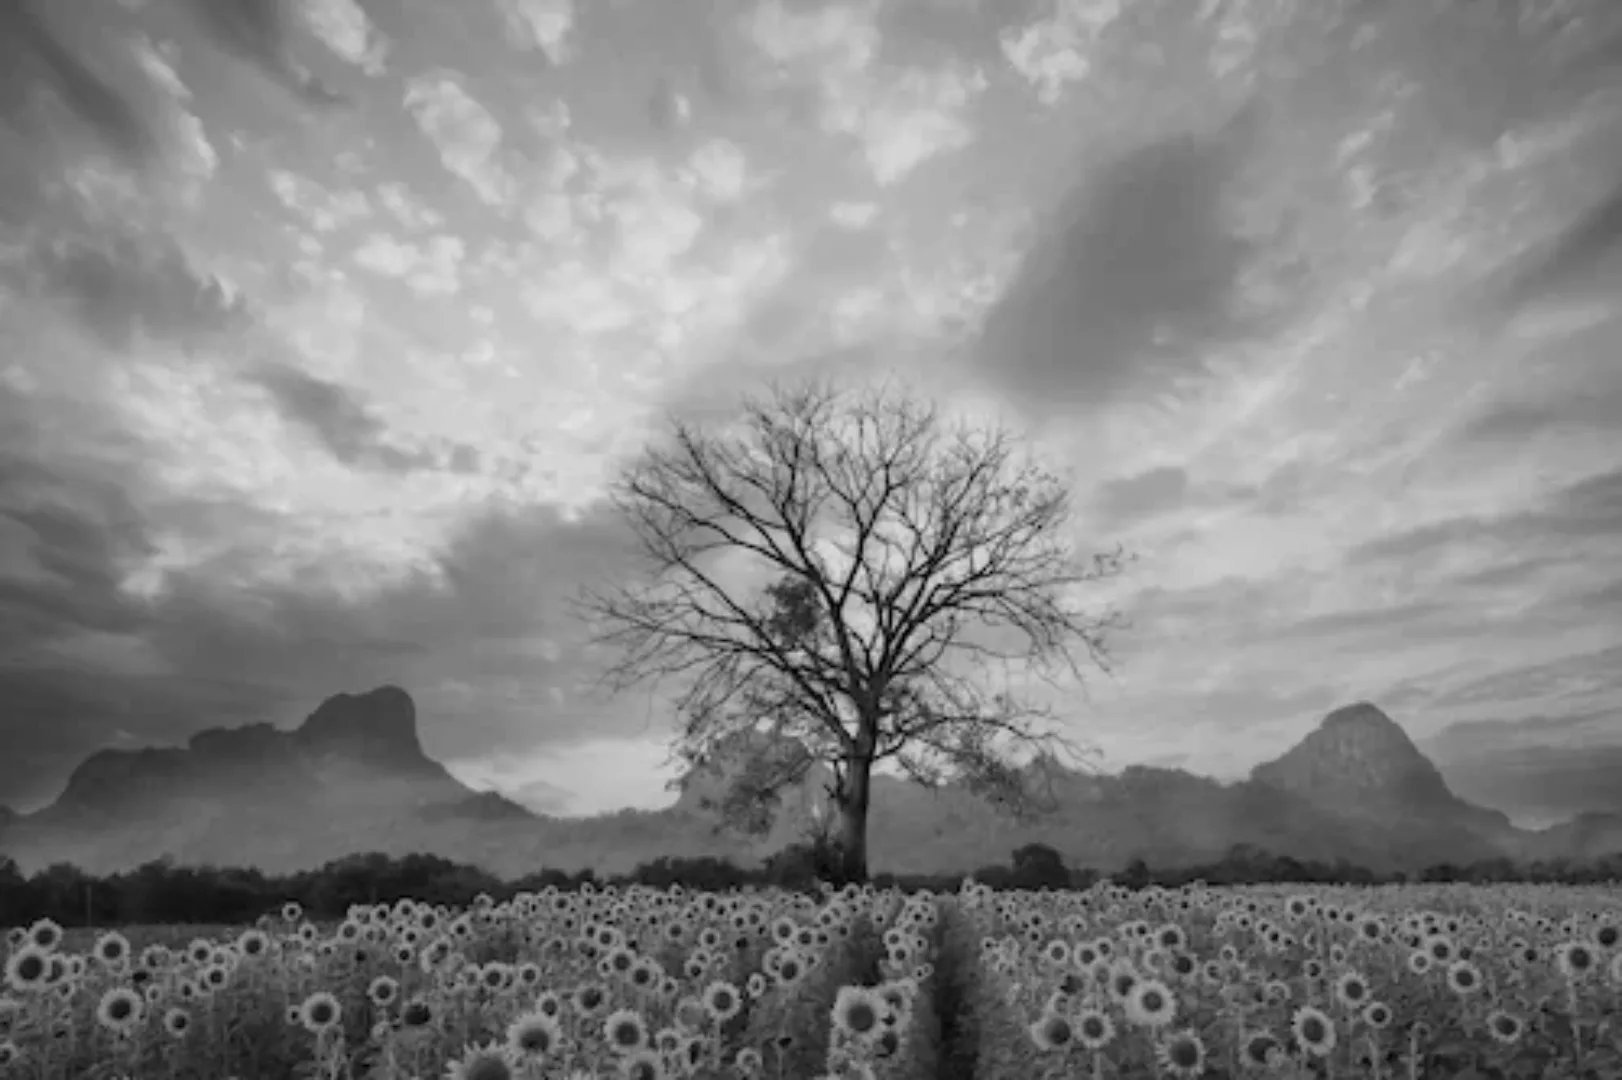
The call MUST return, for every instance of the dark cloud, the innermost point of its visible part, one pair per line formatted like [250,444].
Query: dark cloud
[1513,421]
[124,287]
[34,50]
[1131,279]
[1147,494]
[1585,252]
[349,430]
[259,33]
[1588,509]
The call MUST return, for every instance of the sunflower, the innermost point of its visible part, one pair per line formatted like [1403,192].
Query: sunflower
[1419,962]
[790,970]
[1377,1015]
[492,1061]
[10,1053]
[856,1012]
[533,1035]
[1094,1028]
[1053,1031]
[1151,1004]
[1505,1028]
[589,999]
[112,950]
[748,1061]
[722,1000]
[121,1010]
[1182,1055]
[1575,959]
[383,991]
[28,969]
[253,944]
[625,1031]
[1122,978]
[417,1013]
[1313,1030]
[1463,978]
[45,935]
[319,1012]
[177,1022]
[1351,989]
[1258,1049]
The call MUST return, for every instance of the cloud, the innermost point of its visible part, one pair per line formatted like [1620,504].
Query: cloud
[340,422]
[325,210]
[917,116]
[124,288]
[464,132]
[539,24]
[901,117]
[1584,253]
[1143,495]
[408,210]
[343,27]
[1513,421]
[124,606]
[1132,279]
[1587,509]
[1053,52]
[429,270]
[258,33]
[33,47]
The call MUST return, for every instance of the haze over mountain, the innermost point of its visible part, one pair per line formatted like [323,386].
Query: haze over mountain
[323,324]
[1538,771]
[353,778]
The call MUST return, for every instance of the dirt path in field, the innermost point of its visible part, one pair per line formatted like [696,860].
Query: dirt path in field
[960,1043]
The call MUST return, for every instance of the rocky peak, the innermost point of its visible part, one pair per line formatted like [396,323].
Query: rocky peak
[250,742]
[1359,760]
[108,778]
[377,727]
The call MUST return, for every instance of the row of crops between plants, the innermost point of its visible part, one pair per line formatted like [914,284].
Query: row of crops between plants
[652,984]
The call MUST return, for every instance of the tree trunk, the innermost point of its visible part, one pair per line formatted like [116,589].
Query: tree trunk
[853,803]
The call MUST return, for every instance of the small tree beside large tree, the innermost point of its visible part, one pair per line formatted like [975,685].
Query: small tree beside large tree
[862,581]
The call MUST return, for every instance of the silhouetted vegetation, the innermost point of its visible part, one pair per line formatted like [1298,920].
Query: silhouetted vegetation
[164,893]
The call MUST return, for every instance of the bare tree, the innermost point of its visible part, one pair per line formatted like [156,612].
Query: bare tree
[851,572]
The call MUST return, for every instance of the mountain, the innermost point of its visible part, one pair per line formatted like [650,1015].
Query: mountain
[353,777]
[1539,771]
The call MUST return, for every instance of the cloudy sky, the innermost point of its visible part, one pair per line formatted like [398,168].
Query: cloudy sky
[324,322]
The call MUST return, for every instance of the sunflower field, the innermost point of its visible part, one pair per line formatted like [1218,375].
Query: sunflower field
[1399,982]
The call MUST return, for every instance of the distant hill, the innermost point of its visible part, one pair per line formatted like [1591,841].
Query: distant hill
[353,777]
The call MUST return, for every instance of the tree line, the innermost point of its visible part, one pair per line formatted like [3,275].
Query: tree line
[163,893]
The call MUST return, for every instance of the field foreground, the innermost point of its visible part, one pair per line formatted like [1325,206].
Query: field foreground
[1416,981]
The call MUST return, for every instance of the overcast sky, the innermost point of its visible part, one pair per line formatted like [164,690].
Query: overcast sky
[324,323]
